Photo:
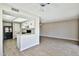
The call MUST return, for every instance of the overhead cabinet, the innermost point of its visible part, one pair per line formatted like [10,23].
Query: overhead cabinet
[28,24]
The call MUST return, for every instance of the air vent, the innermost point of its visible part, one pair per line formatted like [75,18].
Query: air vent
[15,9]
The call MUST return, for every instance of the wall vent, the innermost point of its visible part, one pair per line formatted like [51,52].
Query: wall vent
[14,9]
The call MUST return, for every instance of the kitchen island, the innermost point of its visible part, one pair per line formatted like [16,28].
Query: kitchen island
[25,41]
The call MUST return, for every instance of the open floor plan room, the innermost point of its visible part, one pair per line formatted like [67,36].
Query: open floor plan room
[39,29]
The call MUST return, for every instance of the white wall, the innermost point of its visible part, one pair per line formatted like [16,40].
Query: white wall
[1,34]
[7,24]
[16,29]
[62,29]
[37,30]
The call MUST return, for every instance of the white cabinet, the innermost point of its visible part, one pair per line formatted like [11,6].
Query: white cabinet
[31,24]
[28,24]
[23,25]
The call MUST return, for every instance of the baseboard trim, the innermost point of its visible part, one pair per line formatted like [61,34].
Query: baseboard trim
[60,38]
[29,47]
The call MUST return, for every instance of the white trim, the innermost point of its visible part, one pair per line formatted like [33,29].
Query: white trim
[29,46]
[60,37]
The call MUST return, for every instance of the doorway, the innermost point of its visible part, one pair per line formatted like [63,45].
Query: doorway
[8,33]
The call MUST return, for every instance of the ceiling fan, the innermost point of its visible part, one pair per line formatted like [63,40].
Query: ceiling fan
[44,4]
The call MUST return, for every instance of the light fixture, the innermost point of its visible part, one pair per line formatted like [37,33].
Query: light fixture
[7,17]
[44,4]
[19,20]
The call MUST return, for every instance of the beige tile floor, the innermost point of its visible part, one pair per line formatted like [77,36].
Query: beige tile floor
[47,47]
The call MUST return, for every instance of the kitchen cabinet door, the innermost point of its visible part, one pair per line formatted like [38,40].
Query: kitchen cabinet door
[31,24]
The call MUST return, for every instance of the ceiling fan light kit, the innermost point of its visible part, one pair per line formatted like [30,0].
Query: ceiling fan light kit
[44,4]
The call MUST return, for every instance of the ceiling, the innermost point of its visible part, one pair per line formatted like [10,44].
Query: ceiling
[11,18]
[50,12]
[7,17]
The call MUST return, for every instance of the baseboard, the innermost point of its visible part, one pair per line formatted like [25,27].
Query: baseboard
[61,38]
[29,47]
